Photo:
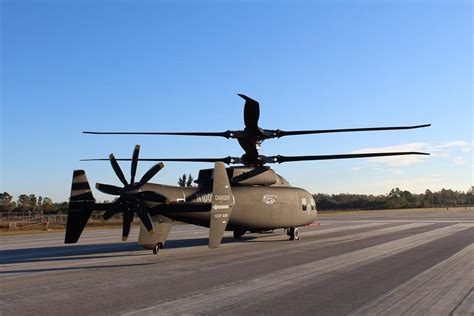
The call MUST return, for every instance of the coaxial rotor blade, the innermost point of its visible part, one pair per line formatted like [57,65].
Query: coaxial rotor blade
[227,160]
[251,112]
[108,189]
[225,134]
[144,217]
[281,159]
[150,174]
[127,223]
[280,133]
[133,170]
[117,169]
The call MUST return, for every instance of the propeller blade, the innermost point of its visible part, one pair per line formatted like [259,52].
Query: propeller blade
[251,112]
[108,214]
[145,217]
[127,223]
[280,133]
[150,173]
[108,189]
[133,172]
[281,159]
[117,169]
[227,160]
[153,197]
[225,134]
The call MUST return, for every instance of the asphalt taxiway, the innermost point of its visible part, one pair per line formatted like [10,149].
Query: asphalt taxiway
[384,262]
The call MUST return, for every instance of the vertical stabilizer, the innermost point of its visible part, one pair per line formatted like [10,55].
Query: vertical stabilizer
[222,202]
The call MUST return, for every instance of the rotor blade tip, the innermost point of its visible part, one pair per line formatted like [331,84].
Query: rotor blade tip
[111,156]
[124,238]
[162,165]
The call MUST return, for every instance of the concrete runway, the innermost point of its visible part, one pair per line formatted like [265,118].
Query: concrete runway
[384,262]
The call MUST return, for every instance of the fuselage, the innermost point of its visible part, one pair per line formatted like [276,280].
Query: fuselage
[256,208]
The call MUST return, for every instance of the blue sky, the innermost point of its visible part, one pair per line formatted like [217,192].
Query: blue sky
[69,66]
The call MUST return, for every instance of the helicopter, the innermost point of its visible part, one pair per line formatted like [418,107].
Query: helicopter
[249,197]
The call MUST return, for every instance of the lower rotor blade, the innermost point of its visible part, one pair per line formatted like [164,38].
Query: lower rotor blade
[227,160]
[150,173]
[225,134]
[108,189]
[127,223]
[117,169]
[145,218]
[281,159]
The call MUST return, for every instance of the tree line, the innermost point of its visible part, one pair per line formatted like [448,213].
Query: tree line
[395,199]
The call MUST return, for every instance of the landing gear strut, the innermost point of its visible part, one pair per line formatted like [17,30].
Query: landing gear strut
[157,247]
[293,233]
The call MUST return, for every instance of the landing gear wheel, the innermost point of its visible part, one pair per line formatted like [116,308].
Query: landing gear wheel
[293,233]
[238,234]
[157,248]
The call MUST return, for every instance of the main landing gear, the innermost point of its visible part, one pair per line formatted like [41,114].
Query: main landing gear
[293,233]
[238,234]
[157,247]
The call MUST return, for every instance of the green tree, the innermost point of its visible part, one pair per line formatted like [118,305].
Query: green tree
[189,183]
[24,202]
[7,205]
[182,180]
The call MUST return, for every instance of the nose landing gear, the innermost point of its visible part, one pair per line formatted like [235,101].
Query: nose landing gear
[293,233]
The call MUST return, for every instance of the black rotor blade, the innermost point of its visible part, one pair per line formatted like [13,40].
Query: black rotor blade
[225,134]
[108,189]
[150,174]
[251,112]
[144,217]
[153,197]
[127,223]
[108,214]
[117,169]
[227,160]
[280,133]
[281,159]
[133,171]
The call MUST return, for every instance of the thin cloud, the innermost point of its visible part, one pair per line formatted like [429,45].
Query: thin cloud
[443,150]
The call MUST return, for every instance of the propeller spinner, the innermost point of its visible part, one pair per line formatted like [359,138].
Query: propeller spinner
[131,198]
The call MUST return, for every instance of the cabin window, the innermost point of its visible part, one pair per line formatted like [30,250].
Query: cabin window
[313,205]
[303,204]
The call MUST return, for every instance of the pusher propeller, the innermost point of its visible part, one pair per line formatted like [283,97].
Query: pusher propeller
[131,197]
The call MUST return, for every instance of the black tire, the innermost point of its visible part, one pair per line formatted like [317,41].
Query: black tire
[296,235]
[157,248]
[238,234]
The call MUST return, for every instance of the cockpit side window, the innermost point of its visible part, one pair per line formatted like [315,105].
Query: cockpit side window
[303,204]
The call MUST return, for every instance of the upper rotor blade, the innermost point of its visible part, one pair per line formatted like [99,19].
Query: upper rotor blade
[281,159]
[227,160]
[280,133]
[225,134]
[117,169]
[108,214]
[251,112]
[150,173]
[133,171]
[108,189]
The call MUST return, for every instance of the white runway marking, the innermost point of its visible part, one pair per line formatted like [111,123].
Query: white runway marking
[239,292]
[440,290]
